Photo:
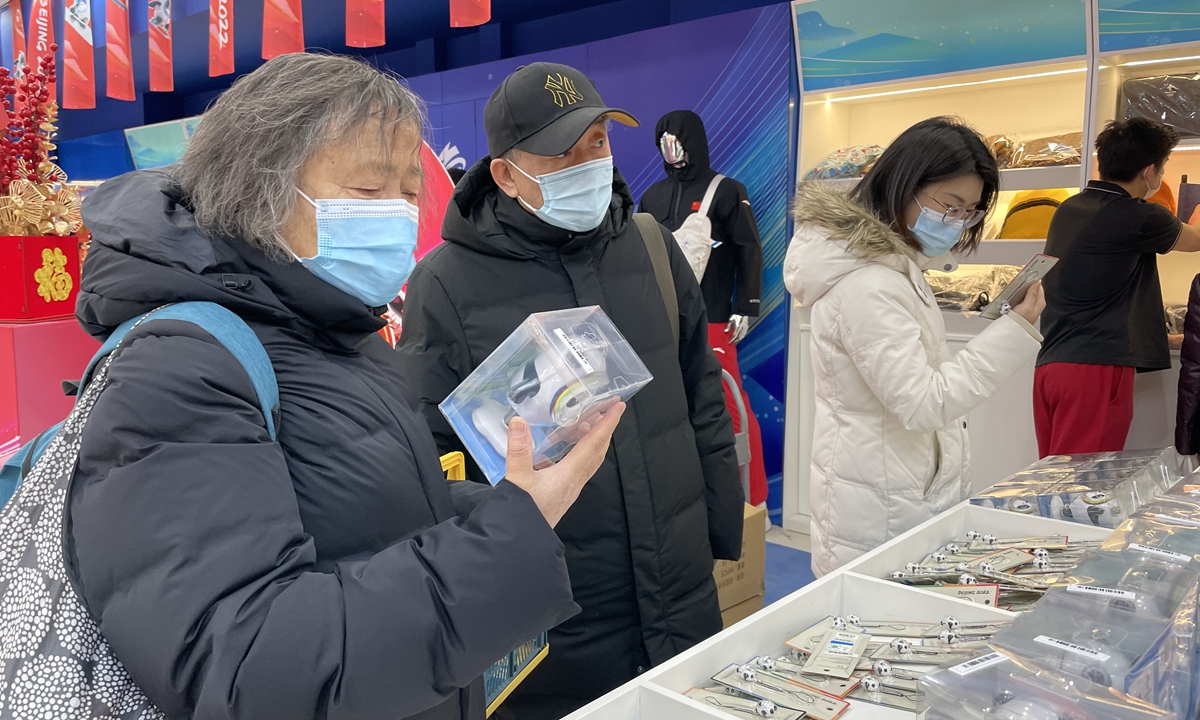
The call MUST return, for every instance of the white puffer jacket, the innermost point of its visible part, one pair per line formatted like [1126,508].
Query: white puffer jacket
[890,445]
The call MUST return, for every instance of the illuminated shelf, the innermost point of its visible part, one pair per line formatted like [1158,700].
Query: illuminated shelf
[1037,178]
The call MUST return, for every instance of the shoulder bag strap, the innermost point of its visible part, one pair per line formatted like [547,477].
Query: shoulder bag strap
[656,248]
[710,193]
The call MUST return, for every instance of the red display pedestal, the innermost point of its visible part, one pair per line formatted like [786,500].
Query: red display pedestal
[34,360]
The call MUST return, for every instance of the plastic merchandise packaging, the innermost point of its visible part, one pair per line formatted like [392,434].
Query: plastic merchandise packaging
[1103,498]
[1172,99]
[1003,147]
[558,370]
[1171,541]
[998,685]
[1176,315]
[1132,579]
[1012,151]
[970,288]
[1092,639]
[848,162]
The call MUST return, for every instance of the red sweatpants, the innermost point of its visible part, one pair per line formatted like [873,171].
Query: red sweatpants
[726,352]
[1082,408]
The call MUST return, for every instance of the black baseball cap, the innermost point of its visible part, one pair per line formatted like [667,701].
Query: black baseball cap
[544,108]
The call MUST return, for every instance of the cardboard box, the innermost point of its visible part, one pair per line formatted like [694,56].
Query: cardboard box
[740,581]
[39,277]
[741,611]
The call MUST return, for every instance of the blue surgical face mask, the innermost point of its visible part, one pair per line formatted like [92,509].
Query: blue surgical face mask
[575,198]
[935,236]
[365,248]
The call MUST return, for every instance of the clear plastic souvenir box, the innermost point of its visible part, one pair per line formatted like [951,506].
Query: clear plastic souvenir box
[558,371]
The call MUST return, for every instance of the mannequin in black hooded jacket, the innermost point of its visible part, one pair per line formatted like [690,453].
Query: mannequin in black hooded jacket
[732,282]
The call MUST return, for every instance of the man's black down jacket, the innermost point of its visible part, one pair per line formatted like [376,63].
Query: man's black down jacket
[667,500]
[332,574]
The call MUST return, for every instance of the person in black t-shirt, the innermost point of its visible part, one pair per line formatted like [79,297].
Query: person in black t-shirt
[1104,312]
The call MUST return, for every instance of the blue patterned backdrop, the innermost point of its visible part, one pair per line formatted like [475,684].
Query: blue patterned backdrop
[1126,24]
[735,71]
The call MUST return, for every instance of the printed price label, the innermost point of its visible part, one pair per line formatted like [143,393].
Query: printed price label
[1072,647]
[587,366]
[1179,520]
[842,644]
[979,663]
[1173,556]
[1102,591]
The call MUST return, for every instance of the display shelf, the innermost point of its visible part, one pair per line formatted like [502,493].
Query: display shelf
[954,523]
[1176,270]
[1032,101]
[1037,178]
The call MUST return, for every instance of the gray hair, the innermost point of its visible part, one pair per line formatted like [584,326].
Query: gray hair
[241,167]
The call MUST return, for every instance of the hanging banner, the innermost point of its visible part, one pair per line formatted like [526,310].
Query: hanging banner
[18,46]
[162,76]
[79,65]
[364,23]
[41,36]
[220,37]
[283,28]
[119,65]
[469,13]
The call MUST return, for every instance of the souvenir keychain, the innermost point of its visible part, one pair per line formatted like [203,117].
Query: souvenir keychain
[874,691]
[787,670]
[745,706]
[746,679]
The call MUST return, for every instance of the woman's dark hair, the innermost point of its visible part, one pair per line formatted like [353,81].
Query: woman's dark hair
[1126,147]
[936,149]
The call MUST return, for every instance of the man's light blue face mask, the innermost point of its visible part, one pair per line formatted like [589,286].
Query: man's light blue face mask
[575,198]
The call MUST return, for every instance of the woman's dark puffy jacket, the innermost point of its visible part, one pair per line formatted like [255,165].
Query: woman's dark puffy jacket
[1187,439]
[332,574]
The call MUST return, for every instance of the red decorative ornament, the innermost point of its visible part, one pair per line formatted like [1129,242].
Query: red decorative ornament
[33,196]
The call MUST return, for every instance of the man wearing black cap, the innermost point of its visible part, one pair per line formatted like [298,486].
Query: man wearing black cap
[545,223]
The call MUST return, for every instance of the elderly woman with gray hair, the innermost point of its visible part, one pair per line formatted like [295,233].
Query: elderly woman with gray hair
[333,573]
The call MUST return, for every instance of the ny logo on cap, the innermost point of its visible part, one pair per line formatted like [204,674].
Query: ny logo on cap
[562,89]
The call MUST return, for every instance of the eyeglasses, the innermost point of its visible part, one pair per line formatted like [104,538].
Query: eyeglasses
[957,213]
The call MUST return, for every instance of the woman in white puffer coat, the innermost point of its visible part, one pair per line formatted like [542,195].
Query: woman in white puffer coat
[890,445]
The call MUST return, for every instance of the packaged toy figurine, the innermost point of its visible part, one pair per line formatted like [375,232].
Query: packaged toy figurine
[558,371]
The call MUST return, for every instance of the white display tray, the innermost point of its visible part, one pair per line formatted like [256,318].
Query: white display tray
[855,589]
[954,524]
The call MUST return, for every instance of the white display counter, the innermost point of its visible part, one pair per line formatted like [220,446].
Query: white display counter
[854,589]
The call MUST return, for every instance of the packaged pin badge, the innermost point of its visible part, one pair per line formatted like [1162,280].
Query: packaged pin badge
[557,371]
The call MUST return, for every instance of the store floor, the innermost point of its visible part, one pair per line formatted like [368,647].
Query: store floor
[788,564]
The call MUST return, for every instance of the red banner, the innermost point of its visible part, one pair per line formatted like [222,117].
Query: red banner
[283,28]
[364,23]
[162,76]
[119,67]
[18,45]
[79,65]
[220,37]
[41,35]
[469,13]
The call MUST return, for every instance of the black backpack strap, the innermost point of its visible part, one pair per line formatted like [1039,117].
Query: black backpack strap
[656,248]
